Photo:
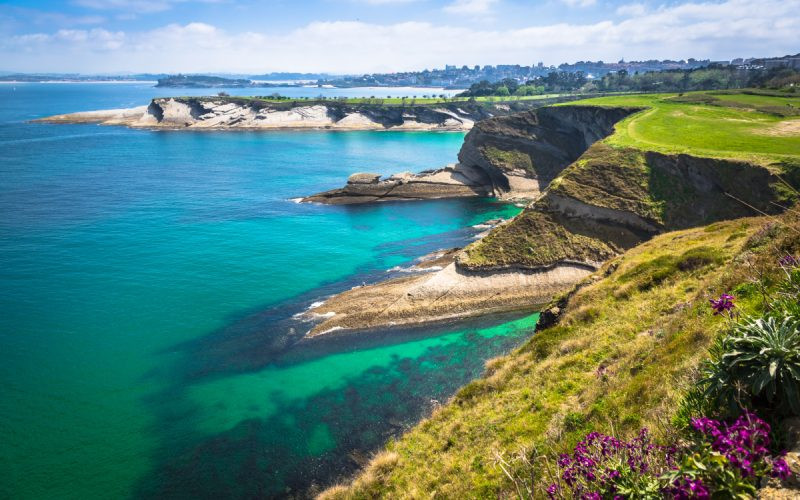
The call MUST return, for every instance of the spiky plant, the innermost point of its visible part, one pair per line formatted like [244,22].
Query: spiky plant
[758,361]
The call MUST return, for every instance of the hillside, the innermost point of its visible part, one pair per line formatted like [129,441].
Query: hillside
[662,209]
[755,127]
[616,356]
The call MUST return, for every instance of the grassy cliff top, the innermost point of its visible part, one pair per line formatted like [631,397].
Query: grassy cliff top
[759,128]
[624,349]
[534,240]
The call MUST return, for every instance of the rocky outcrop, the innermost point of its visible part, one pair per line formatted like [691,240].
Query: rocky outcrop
[446,294]
[522,153]
[513,156]
[256,113]
[449,182]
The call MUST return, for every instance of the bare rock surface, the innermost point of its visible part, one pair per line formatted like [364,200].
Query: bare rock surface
[445,294]
[449,182]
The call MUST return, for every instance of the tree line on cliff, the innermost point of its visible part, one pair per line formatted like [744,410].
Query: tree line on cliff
[713,77]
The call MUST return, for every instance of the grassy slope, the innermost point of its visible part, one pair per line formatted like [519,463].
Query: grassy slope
[534,240]
[715,125]
[619,357]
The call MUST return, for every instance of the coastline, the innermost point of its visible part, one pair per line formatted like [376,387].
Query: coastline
[257,113]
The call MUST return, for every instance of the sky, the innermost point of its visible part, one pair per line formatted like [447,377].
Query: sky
[364,36]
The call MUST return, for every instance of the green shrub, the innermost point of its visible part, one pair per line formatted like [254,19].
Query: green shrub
[759,362]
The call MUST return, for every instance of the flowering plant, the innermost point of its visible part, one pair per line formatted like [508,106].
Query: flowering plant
[789,261]
[722,305]
[605,467]
[727,460]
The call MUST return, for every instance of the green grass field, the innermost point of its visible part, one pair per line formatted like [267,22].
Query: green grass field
[757,128]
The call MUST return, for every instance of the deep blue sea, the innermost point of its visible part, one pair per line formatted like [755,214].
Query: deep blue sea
[148,281]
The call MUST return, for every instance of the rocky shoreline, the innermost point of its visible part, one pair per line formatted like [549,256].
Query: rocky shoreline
[437,291]
[511,157]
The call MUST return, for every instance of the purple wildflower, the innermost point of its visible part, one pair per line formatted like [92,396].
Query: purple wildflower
[594,468]
[553,490]
[780,469]
[744,443]
[685,488]
[789,261]
[723,304]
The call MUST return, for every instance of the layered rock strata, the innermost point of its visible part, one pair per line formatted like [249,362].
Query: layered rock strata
[254,113]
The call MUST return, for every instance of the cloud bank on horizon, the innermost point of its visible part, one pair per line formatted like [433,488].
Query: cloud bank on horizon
[355,36]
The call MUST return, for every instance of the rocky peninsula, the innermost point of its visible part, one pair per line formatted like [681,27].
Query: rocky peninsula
[225,112]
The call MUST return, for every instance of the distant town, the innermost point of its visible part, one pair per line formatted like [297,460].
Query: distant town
[451,77]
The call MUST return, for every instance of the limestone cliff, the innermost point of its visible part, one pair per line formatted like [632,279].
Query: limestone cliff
[256,113]
[522,153]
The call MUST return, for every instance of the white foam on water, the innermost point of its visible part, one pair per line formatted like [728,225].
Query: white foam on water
[329,330]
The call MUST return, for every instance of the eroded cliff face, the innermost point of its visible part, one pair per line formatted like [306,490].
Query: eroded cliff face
[522,153]
[514,156]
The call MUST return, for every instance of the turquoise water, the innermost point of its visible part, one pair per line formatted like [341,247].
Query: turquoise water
[147,289]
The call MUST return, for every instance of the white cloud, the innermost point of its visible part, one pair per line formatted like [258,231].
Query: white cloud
[579,3]
[631,10]
[717,30]
[470,6]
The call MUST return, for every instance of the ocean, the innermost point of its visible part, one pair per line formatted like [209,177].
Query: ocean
[149,282]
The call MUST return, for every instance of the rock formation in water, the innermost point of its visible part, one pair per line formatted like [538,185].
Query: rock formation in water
[449,182]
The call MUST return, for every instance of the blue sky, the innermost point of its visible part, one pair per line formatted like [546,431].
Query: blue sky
[352,36]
